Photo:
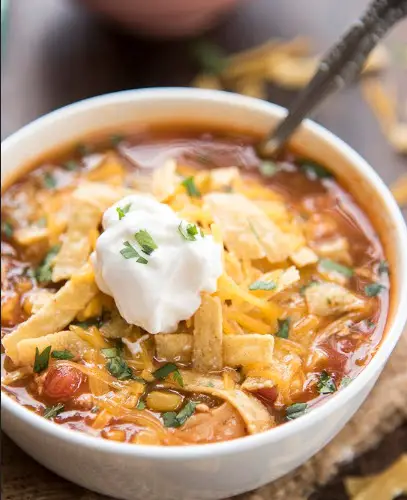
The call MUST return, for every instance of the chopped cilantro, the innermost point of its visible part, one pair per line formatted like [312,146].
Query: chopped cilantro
[95,409]
[118,367]
[283,328]
[146,242]
[71,165]
[53,411]
[83,149]
[141,405]
[49,181]
[369,323]
[64,354]
[326,384]
[129,252]
[189,231]
[331,265]
[41,359]
[268,168]
[123,211]
[192,190]
[383,267]
[166,370]
[116,139]
[296,410]
[374,289]
[263,285]
[43,273]
[172,419]
[88,323]
[110,352]
[7,229]
[345,382]
[210,57]
[313,170]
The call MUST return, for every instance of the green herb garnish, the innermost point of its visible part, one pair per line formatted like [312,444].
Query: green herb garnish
[49,181]
[123,211]
[263,285]
[110,352]
[146,242]
[118,367]
[345,382]
[268,168]
[71,165]
[43,273]
[210,57]
[88,323]
[283,328]
[83,149]
[53,411]
[189,231]
[41,359]
[166,370]
[314,170]
[7,229]
[296,410]
[129,252]
[374,289]
[95,409]
[370,323]
[331,265]
[190,186]
[383,267]
[64,354]
[173,419]
[141,405]
[326,384]
[116,139]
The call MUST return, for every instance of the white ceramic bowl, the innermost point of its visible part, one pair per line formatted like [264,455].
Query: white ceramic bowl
[216,470]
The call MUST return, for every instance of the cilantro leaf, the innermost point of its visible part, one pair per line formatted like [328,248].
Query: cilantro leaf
[345,382]
[43,273]
[49,180]
[123,211]
[41,359]
[178,378]
[192,190]
[173,419]
[146,242]
[210,57]
[129,252]
[296,410]
[165,370]
[110,352]
[53,411]
[383,267]
[118,367]
[326,384]
[116,139]
[268,168]
[7,229]
[189,231]
[263,285]
[331,265]
[64,354]
[373,289]
[71,165]
[283,328]
[141,405]
[314,170]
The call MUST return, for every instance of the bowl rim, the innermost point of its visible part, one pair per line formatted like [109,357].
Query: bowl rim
[279,433]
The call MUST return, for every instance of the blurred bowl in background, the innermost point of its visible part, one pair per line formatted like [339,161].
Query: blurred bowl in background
[163,18]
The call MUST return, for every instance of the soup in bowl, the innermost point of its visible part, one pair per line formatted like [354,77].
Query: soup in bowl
[171,299]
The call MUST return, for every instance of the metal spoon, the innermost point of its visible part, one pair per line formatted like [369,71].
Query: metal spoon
[340,66]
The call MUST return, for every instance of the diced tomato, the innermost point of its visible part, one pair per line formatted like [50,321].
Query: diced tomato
[62,382]
[268,393]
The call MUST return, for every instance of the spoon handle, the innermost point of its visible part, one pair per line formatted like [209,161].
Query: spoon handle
[339,66]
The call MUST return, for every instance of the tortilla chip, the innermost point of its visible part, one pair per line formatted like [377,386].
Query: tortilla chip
[165,180]
[304,257]
[174,347]
[292,72]
[36,299]
[58,342]
[57,313]
[254,414]
[205,81]
[110,170]
[116,327]
[326,299]
[223,178]
[207,345]
[233,267]
[27,236]
[253,384]
[244,350]
[336,249]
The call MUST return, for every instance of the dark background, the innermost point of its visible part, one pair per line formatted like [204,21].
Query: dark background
[56,53]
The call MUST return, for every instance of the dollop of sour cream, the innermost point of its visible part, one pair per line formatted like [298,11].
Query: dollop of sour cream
[154,264]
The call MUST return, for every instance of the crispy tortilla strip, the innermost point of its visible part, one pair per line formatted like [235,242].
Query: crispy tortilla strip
[205,81]
[207,348]
[57,313]
[58,342]
[174,347]
[304,257]
[89,202]
[110,170]
[282,278]
[336,249]
[326,299]
[244,350]
[253,384]
[165,180]
[223,178]
[233,267]
[291,72]
[254,414]
[27,236]
[247,231]
[36,300]
[116,327]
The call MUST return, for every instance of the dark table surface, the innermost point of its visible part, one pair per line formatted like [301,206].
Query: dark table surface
[56,53]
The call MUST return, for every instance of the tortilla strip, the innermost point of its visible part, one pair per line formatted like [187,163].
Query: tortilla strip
[174,347]
[57,313]
[253,384]
[207,348]
[304,257]
[325,299]
[27,236]
[254,414]
[36,299]
[89,202]
[58,342]
[246,349]
[116,327]
[165,180]
[225,177]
